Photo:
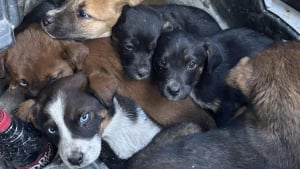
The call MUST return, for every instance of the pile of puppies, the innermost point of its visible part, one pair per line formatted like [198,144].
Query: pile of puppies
[169,89]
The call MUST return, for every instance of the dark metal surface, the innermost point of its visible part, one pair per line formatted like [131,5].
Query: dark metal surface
[253,14]
[11,15]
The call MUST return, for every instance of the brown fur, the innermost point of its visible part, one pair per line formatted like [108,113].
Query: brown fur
[37,59]
[271,81]
[106,77]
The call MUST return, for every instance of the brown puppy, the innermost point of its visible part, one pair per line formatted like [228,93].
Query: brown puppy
[84,19]
[106,77]
[36,60]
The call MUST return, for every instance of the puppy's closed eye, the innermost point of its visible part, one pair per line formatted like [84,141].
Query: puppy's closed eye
[81,14]
[128,46]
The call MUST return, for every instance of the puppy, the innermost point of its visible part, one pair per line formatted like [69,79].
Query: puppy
[139,27]
[106,77]
[266,137]
[185,66]
[36,60]
[84,19]
[77,126]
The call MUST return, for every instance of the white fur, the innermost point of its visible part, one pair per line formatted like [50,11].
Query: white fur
[125,136]
[67,144]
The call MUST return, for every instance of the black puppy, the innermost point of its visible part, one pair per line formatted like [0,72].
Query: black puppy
[267,135]
[139,27]
[185,66]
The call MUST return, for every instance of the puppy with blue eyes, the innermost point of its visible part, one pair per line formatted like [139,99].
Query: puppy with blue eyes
[77,122]
[185,66]
[139,27]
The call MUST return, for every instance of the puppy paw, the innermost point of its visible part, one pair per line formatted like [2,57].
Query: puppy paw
[24,111]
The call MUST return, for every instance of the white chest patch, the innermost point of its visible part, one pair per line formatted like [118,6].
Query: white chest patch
[126,136]
[90,148]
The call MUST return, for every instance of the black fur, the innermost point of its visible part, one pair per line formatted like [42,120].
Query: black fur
[138,29]
[185,66]
[239,146]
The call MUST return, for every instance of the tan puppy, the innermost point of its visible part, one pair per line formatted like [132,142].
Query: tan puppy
[84,19]
[36,60]
[106,77]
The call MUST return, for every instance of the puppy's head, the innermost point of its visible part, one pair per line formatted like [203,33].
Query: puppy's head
[177,64]
[72,119]
[36,60]
[135,35]
[84,19]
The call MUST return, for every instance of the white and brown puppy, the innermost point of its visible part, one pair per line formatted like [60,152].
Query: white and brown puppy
[76,122]
[84,19]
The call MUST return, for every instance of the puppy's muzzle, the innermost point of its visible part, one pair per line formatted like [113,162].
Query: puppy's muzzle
[76,158]
[173,88]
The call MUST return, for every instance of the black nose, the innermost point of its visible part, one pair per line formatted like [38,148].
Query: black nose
[47,20]
[173,89]
[143,72]
[76,159]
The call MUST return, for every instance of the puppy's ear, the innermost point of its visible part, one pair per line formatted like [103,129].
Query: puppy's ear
[75,53]
[213,56]
[78,81]
[104,87]
[25,111]
[240,75]
[2,64]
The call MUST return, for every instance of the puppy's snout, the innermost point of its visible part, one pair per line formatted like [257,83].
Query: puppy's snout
[47,20]
[143,72]
[76,158]
[173,88]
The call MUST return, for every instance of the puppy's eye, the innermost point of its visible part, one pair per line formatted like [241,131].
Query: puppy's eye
[84,118]
[23,83]
[82,14]
[51,130]
[128,46]
[151,46]
[162,63]
[191,65]
[51,79]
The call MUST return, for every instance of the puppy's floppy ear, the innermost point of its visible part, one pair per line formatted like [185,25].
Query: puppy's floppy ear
[104,87]
[2,64]
[213,56]
[75,53]
[240,75]
[77,80]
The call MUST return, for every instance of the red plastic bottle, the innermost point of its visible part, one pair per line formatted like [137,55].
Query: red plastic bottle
[23,146]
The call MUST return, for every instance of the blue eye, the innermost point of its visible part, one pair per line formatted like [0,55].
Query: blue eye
[84,118]
[51,130]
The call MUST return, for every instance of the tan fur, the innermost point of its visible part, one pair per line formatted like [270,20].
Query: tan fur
[106,77]
[104,15]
